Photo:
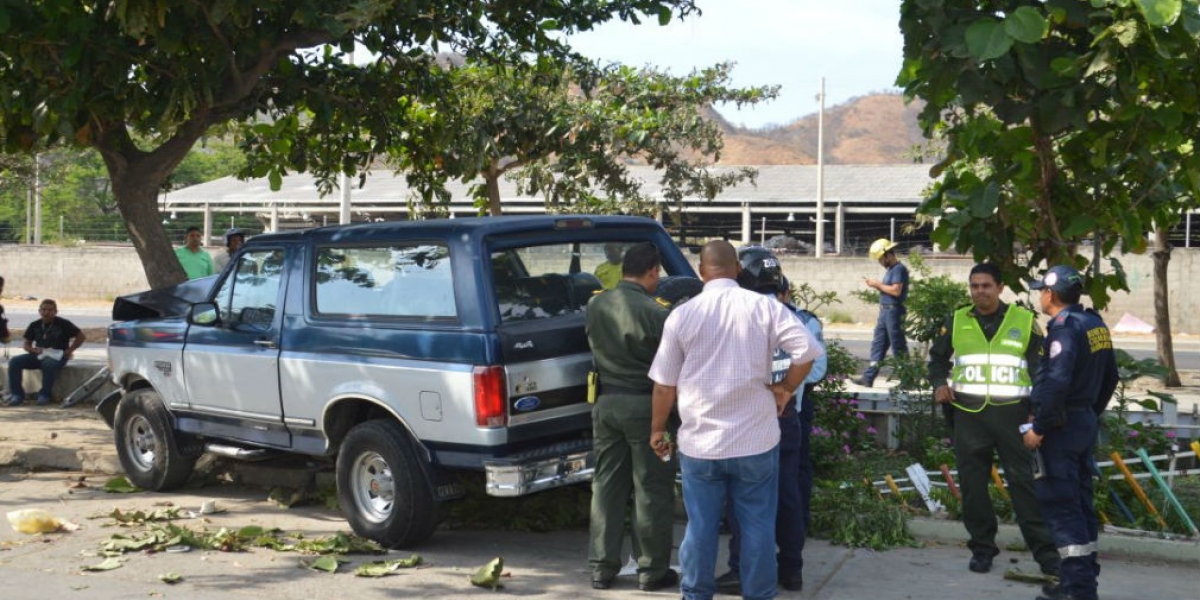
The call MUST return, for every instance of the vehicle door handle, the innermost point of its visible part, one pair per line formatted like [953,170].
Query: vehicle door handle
[265,343]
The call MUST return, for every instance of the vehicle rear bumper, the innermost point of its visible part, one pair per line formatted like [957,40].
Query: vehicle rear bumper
[521,475]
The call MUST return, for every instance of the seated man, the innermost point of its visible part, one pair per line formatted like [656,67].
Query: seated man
[49,343]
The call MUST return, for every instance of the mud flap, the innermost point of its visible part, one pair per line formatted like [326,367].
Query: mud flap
[107,407]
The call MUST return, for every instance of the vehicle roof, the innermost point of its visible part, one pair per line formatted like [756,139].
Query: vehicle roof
[475,226]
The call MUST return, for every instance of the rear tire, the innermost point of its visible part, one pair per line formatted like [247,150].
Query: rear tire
[383,487]
[147,445]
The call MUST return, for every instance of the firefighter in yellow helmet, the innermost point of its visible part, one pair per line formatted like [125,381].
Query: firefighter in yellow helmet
[893,291]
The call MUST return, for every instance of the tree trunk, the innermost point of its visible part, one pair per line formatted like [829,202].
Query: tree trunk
[136,177]
[492,177]
[1162,311]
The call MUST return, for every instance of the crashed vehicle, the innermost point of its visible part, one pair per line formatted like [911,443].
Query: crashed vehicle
[405,350]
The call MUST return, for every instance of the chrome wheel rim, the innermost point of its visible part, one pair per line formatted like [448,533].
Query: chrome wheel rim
[141,445]
[373,486]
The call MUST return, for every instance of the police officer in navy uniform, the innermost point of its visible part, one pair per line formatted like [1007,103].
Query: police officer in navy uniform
[985,392]
[624,328]
[1074,385]
[761,272]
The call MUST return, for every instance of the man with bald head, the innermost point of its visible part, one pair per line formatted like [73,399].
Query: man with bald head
[715,361]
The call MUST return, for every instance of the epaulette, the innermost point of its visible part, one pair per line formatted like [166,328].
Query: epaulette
[662,303]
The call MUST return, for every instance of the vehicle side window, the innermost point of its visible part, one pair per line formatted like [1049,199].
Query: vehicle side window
[249,295]
[412,281]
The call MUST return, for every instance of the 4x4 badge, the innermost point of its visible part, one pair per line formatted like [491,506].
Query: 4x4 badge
[525,345]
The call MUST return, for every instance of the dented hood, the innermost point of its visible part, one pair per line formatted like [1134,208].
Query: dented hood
[172,301]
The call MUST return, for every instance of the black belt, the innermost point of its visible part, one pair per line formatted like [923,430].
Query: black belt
[887,306]
[617,389]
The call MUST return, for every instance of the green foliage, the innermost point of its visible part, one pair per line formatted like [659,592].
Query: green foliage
[839,428]
[143,81]
[804,296]
[852,514]
[931,300]
[1117,434]
[565,130]
[560,508]
[1065,123]
[839,316]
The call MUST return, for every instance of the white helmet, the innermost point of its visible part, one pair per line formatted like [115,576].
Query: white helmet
[880,247]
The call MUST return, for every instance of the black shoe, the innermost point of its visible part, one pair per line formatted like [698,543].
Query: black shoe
[1058,594]
[730,584]
[669,579]
[981,562]
[792,583]
[602,583]
[1050,569]
[863,381]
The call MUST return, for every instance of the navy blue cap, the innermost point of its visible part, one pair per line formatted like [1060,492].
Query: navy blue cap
[1060,278]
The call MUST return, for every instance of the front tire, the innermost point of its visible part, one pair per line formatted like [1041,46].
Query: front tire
[147,445]
[382,486]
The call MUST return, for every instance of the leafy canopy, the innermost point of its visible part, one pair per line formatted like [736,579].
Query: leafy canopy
[1065,121]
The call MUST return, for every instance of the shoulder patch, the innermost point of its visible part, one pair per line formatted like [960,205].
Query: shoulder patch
[1055,348]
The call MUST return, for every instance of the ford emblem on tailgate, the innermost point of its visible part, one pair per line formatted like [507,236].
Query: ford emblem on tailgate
[526,403]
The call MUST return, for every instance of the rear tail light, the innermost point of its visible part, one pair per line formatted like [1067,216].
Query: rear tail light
[490,386]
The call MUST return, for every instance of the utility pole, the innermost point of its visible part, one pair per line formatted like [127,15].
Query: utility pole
[821,171]
[37,199]
[344,184]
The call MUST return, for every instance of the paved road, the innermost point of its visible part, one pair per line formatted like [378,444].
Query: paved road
[546,565]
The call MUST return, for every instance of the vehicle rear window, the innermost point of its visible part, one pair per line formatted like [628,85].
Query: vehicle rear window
[387,281]
[538,282]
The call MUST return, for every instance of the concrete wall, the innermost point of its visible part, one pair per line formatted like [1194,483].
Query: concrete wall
[843,275]
[103,273]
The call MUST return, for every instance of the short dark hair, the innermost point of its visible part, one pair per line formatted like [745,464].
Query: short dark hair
[191,229]
[639,259]
[987,269]
[1068,297]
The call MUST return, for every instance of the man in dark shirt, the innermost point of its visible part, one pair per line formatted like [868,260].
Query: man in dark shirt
[1073,387]
[985,391]
[893,291]
[624,328]
[50,342]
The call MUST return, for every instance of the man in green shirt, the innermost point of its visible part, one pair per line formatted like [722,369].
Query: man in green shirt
[196,261]
[624,328]
[609,272]
[985,389]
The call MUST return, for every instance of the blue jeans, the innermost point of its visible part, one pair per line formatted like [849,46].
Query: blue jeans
[752,482]
[17,366]
[795,490]
[889,333]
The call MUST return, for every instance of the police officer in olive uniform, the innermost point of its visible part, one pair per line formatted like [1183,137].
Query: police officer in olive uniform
[1074,385]
[624,328]
[985,391]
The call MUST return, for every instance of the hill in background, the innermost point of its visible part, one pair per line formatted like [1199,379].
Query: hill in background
[872,129]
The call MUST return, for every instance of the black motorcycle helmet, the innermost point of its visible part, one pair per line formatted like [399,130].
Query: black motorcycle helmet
[761,271]
[677,289]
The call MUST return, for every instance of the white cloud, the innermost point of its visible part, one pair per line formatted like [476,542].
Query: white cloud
[854,44]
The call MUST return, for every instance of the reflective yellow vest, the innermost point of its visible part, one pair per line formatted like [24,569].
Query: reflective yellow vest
[993,371]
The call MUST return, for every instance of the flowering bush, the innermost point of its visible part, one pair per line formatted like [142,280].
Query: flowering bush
[839,428]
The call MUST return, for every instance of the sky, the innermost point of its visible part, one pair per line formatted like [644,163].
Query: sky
[855,44]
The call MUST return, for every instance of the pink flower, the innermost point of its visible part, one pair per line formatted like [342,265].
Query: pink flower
[1170,435]
[860,416]
[1133,433]
[846,448]
[872,430]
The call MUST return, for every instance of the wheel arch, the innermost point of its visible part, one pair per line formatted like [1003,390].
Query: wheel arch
[344,413]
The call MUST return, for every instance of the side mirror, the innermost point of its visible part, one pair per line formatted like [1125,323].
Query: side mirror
[203,313]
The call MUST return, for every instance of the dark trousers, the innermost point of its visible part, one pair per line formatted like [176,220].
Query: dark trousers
[889,333]
[625,464]
[977,438]
[1065,496]
[795,493]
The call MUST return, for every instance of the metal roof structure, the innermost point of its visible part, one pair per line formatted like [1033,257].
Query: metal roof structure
[863,201]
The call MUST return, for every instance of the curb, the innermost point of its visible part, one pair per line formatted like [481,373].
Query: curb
[1177,551]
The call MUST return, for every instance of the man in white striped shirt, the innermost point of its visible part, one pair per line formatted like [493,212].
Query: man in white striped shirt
[715,359]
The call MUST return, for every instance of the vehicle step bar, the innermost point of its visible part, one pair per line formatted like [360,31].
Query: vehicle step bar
[240,453]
